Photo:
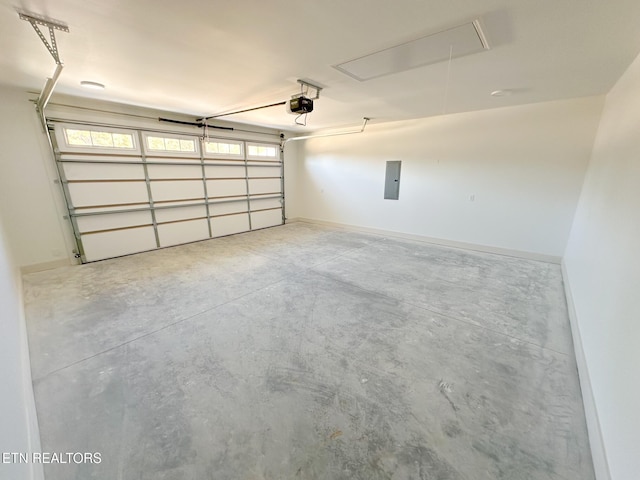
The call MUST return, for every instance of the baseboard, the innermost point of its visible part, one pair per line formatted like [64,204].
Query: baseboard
[598,450]
[41,267]
[437,241]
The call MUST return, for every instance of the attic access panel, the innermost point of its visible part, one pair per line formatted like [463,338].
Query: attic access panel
[457,41]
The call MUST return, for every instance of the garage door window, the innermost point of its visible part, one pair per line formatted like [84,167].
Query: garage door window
[162,144]
[223,148]
[75,137]
[261,151]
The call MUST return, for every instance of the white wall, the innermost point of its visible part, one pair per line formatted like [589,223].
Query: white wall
[33,221]
[18,424]
[525,165]
[602,264]
[30,233]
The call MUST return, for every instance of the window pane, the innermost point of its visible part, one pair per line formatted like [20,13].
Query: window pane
[155,143]
[211,147]
[172,144]
[262,151]
[187,146]
[78,137]
[102,139]
[122,140]
[235,149]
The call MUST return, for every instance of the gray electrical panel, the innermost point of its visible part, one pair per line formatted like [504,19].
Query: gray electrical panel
[392,180]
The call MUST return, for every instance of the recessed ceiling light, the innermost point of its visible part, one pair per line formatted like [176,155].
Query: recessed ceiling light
[501,93]
[93,85]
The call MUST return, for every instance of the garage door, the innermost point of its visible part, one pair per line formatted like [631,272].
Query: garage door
[130,190]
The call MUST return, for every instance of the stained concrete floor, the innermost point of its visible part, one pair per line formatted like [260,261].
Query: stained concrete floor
[306,352]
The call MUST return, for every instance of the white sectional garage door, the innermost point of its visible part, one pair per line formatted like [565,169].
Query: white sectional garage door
[131,190]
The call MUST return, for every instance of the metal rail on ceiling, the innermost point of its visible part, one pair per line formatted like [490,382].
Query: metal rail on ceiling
[365,120]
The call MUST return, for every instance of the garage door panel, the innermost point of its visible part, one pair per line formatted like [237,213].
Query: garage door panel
[83,171]
[154,159]
[268,218]
[183,232]
[228,207]
[265,203]
[225,171]
[226,188]
[85,194]
[113,220]
[99,246]
[98,159]
[183,213]
[229,225]
[262,171]
[163,191]
[263,185]
[175,171]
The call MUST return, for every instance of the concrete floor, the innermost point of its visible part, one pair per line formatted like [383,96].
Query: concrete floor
[306,352]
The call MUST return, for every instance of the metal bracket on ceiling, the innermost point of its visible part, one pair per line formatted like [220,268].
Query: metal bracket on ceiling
[304,83]
[38,20]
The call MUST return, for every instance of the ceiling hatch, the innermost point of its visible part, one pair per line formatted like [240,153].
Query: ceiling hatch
[455,42]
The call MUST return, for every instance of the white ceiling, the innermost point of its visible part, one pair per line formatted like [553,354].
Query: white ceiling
[207,57]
